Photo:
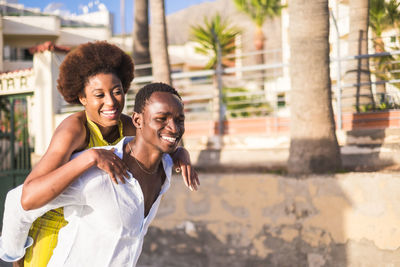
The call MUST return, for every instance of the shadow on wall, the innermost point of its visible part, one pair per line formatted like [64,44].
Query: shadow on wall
[210,251]
[210,157]
[250,220]
[366,135]
[371,149]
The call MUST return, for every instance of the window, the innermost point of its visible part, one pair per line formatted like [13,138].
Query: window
[16,53]
[281,102]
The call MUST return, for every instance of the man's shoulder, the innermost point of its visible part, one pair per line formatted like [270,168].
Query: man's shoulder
[167,159]
[168,164]
[92,176]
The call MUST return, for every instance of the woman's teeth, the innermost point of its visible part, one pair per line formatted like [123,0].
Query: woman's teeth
[109,112]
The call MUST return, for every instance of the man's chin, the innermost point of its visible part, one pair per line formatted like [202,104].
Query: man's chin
[170,149]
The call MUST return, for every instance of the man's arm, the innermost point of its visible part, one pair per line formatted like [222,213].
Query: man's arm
[17,221]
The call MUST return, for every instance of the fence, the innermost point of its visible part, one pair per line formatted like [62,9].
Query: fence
[262,91]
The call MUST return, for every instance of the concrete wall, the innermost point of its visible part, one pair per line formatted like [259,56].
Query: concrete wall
[16,65]
[34,25]
[74,36]
[241,220]
[47,99]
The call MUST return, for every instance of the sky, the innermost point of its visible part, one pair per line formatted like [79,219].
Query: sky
[78,6]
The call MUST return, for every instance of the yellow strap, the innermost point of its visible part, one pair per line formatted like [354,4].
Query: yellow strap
[96,138]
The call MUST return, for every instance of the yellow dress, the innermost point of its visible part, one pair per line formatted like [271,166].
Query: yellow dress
[44,230]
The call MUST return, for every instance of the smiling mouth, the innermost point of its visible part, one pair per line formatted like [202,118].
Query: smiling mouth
[110,113]
[169,139]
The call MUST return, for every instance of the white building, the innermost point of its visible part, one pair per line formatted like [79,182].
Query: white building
[22,28]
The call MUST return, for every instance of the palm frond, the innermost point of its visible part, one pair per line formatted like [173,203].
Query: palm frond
[259,10]
[209,34]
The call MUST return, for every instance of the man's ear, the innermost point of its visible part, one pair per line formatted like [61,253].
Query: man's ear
[137,119]
[82,99]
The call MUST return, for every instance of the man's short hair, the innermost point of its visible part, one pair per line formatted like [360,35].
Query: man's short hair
[145,93]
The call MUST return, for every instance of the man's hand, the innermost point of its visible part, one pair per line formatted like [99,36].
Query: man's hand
[182,163]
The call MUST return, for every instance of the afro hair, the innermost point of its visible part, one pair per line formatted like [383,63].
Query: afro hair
[90,59]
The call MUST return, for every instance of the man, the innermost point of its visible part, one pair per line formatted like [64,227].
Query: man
[107,222]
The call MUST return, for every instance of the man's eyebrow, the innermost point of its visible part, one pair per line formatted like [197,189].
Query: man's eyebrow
[167,113]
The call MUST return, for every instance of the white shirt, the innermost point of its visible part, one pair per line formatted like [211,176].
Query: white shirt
[106,223]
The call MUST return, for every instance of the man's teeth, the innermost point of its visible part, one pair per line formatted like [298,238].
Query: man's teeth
[169,139]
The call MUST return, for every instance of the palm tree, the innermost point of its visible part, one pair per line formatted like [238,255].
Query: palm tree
[378,20]
[140,36]
[357,71]
[209,34]
[382,16]
[313,146]
[216,39]
[159,43]
[259,11]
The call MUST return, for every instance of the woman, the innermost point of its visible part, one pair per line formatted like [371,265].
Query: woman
[96,75]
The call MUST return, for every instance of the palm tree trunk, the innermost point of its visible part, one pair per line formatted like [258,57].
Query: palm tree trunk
[379,47]
[357,71]
[313,146]
[159,43]
[259,59]
[140,36]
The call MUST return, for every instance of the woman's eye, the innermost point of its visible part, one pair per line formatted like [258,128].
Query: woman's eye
[118,92]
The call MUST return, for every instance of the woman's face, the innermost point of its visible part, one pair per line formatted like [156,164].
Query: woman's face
[104,99]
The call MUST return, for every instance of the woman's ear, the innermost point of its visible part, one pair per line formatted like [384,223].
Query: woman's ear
[137,119]
[82,99]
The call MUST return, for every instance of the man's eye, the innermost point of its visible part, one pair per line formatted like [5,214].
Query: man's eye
[99,95]
[161,119]
[180,121]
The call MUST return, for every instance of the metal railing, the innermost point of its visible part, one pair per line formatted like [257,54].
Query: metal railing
[263,90]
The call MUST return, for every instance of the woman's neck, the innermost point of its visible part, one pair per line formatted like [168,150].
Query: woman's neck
[110,133]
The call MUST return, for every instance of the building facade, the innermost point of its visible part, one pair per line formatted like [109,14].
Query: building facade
[22,28]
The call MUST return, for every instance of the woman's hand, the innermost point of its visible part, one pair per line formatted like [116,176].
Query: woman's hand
[19,263]
[182,163]
[111,164]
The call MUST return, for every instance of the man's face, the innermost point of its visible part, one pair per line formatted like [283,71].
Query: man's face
[163,121]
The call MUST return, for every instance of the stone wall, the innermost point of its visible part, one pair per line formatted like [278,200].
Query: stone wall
[350,219]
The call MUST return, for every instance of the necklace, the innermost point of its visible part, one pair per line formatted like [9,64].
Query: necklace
[138,163]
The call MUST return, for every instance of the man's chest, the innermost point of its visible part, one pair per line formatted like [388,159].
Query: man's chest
[150,183]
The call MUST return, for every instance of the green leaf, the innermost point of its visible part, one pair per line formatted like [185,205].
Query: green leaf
[209,34]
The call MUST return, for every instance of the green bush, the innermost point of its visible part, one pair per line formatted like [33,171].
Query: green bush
[244,104]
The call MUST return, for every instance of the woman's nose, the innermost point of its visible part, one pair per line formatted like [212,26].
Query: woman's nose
[110,99]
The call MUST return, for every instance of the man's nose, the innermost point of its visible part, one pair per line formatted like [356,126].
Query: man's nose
[172,126]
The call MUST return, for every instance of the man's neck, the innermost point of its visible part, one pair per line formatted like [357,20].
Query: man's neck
[148,157]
